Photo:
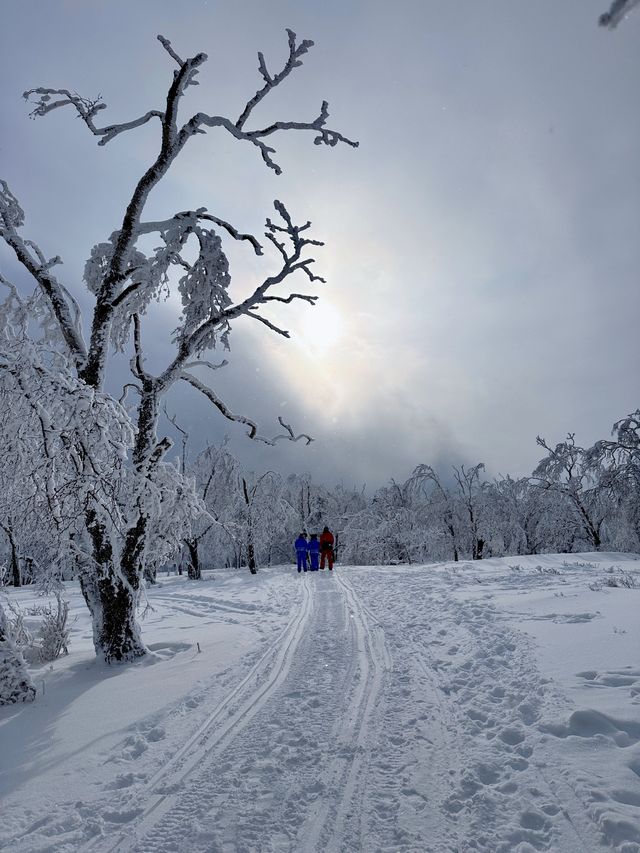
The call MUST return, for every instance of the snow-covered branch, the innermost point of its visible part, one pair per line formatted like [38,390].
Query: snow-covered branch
[290,436]
[46,100]
[63,305]
[325,136]
[270,82]
[292,262]
[137,362]
[252,432]
[112,264]
[195,216]
[618,10]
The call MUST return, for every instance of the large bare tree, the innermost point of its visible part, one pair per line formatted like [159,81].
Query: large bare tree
[124,280]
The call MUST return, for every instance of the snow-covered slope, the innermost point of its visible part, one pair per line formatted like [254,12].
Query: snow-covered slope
[488,706]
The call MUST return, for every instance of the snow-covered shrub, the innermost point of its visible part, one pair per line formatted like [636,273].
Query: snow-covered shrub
[17,629]
[620,579]
[54,631]
[15,682]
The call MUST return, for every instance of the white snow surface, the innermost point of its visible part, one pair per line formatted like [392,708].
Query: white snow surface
[490,706]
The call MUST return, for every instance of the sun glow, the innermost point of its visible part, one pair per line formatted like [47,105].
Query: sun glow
[319,329]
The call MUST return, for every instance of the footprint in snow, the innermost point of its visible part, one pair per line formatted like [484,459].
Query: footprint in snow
[125,780]
[629,798]
[591,724]
[121,817]
[511,736]
[134,747]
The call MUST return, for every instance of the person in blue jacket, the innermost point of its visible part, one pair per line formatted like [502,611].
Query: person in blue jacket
[314,552]
[302,548]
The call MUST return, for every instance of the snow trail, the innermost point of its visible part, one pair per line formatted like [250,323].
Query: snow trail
[289,770]
[400,710]
[463,767]
[231,716]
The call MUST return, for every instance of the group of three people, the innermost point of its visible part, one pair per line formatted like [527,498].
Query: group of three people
[314,551]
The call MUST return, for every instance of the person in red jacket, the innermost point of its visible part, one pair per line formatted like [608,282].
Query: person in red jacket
[326,548]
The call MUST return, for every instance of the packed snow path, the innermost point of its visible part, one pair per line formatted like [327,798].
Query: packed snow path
[383,710]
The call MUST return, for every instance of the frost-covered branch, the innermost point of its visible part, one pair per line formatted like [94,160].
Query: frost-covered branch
[252,432]
[270,82]
[325,136]
[185,437]
[113,264]
[125,389]
[292,262]
[195,216]
[207,308]
[290,436]
[201,362]
[63,305]
[47,100]
[137,362]
[618,10]
[311,299]
[268,324]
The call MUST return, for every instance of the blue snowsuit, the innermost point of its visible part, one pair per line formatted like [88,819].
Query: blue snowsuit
[302,546]
[314,554]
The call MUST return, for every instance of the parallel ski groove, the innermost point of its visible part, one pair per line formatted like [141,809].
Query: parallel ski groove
[275,662]
[324,828]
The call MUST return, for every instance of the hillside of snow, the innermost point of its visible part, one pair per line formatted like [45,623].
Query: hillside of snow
[490,706]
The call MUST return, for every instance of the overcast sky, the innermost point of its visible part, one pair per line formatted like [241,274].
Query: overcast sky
[482,245]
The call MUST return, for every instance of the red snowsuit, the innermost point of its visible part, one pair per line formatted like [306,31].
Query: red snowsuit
[326,549]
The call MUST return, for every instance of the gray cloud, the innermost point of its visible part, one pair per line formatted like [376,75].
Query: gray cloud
[482,251]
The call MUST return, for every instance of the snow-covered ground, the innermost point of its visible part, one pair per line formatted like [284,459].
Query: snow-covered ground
[490,706]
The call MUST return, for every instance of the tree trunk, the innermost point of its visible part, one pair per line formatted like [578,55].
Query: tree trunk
[112,591]
[251,557]
[112,595]
[454,543]
[15,562]
[194,571]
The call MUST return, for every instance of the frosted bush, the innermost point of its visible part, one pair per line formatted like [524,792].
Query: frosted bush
[54,631]
[15,682]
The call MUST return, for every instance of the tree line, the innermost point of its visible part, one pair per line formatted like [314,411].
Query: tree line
[576,499]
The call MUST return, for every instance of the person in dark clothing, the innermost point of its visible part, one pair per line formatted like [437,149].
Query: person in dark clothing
[302,549]
[326,548]
[314,552]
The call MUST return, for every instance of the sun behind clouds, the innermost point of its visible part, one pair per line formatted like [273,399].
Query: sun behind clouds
[319,329]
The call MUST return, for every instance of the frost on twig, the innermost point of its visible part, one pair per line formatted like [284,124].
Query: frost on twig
[62,304]
[618,10]
[124,280]
[252,432]
[47,99]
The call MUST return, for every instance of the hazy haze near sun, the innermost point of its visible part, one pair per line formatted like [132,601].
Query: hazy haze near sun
[481,250]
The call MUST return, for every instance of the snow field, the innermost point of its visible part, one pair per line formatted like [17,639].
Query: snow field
[485,707]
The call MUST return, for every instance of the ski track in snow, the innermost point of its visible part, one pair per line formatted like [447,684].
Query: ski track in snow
[163,794]
[396,711]
[288,766]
